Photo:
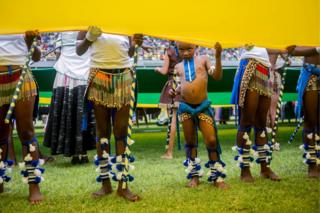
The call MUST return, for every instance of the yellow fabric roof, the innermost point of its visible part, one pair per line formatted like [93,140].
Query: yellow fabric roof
[268,23]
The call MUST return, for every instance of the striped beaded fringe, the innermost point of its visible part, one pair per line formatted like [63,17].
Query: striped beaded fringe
[174,85]
[111,90]
[25,70]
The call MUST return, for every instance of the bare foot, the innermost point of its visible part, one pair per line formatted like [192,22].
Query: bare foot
[246,175]
[167,156]
[84,159]
[1,188]
[101,192]
[35,196]
[313,171]
[106,189]
[75,159]
[194,182]
[221,185]
[127,194]
[48,159]
[269,174]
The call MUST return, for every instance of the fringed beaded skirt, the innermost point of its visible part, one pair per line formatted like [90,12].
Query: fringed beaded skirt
[256,78]
[8,83]
[110,89]
[275,81]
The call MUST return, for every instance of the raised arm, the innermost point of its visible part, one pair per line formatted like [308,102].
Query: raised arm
[29,37]
[137,39]
[303,51]
[87,38]
[215,71]
[165,67]
[83,44]
[276,51]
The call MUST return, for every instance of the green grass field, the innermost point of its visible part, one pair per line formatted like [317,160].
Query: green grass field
[161,183]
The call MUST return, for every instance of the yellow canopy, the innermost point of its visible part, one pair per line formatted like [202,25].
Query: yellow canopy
[268,23]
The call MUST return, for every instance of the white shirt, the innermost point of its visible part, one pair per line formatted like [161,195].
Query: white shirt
[13,50]
[110,52]
[258,53]
[69,63]
[280,63]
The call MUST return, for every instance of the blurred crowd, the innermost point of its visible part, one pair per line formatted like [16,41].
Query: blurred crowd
[155,52]
[47,45]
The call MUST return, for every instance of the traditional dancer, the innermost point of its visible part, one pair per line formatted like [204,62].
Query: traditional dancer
[64,133]
[308,88]
[252,93]
[195,112]
[111,90]
[171,58]
[18,91]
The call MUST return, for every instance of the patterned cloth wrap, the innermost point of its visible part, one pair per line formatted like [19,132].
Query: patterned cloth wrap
[110,88]
[250,75]
[198,112]
[8,83]
[309,80]
[204,113]
[66,110]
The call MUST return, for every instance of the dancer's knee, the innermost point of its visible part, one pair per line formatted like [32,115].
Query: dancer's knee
[247,119]
[26,135]
[211,142]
